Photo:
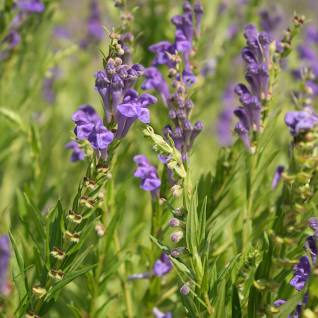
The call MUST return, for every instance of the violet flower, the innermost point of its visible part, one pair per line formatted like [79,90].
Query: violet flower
[277,177]
[147,173]
[77,152]
[269,20]
[300,122]
[95,30]
[32,6]
[257,58]
[4,262]
[301,273]
[224,124]
[162,266]
[133,107]
[154,80]
[89,126]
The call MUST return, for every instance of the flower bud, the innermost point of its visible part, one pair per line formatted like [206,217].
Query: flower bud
[73,237]
[57,253]
[177,252]
[176,190]
[185,289]
[176,237]
[174,222]
[100,229]
[56,274]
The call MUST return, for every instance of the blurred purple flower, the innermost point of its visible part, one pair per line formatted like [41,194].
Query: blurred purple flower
[300,121]
[77,152]
[4,262]
[270,19]
[154,80]
[224,124]
[277,176]
[162,266]
[34,6]
[147,173]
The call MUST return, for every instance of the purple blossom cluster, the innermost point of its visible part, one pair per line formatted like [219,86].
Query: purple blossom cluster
[256,56]
[303,269]
[183,132]
[300,122]
[4,262]
[122,107]
[307,52]
[95,30]
[13,38]
[224,123]
[147,173]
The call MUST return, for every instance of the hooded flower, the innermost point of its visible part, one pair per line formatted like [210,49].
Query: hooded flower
[301,273]
[4,262]
[147,173]
[132,108]
[89,126]
[77,152]
[162,265]
[257,58]
[301,121]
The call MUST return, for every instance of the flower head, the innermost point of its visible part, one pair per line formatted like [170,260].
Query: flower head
[77,152]
[300,121]
[147,173]
[301,273]
[133,107]
[162,265]
[89,126]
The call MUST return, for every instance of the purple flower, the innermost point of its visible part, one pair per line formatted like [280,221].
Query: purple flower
[269,21]
[300,121]
[301,273]
[311,247]
[147,173]
[154,80]
[12,39]
[34,6]
[132,108]
[277,177]
[89,126]
[162,265]
[296,313]
[95,30]
[224,124]
[4,262]
[256,57]
[159,314]
[198,11]
[77,152]
[313,223]
[162,51]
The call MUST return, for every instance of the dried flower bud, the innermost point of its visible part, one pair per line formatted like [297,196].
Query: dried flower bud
[58,253]
[100,229]
[73,237]
[38,291]
[74,217]
[176,237]
[56,274]
[179,212]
